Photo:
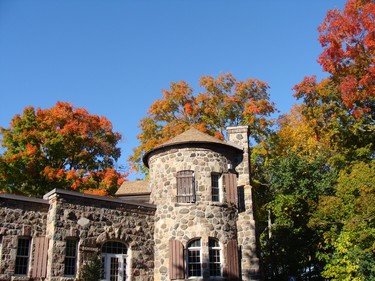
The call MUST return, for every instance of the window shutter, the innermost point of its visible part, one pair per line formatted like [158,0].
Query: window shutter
[176,260]
[233,269]
[185,187]
[40,257]
[231,188]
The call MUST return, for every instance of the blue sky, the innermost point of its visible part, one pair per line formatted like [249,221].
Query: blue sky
[113,57]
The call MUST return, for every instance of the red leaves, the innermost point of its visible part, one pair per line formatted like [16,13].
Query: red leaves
[222,102]
[62,147]
[348,38]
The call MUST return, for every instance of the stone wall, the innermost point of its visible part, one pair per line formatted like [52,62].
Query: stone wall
[93,221]
[185,221]
[246,223]
[19,217]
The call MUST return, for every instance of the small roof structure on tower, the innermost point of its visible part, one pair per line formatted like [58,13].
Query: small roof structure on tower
[191,136]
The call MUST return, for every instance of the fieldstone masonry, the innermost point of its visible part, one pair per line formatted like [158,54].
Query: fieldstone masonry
[91,220]
[185,221]
[145,228]
[19,218]
[245,222]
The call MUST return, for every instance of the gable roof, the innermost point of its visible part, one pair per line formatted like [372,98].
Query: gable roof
[133,187]
[192,136]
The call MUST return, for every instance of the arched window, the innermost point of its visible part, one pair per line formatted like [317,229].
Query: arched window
[214,250]
[194,258]
[114,255]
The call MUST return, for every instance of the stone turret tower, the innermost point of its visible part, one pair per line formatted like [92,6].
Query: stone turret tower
[198,229]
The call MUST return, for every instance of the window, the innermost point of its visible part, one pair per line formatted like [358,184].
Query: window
[194,259]
[22,257]
[185,187]
[70,257]
[114,256]
[214,257]
[215,188]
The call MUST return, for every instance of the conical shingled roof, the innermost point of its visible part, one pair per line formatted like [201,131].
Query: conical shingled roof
[191,136]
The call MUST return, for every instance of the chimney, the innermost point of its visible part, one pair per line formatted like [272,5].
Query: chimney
[240,135]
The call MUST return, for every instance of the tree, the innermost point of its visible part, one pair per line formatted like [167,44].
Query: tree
[322,218]
[346,220]
[92,269]
[289,245]
[297,134]
[224,101]
[60,147]
[348,38]
[342,106]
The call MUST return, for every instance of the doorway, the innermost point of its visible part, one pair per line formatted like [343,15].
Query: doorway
[114,261]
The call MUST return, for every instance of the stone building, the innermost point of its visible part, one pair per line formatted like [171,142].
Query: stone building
[192,219]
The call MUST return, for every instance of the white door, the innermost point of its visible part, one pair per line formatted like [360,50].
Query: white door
[114,267]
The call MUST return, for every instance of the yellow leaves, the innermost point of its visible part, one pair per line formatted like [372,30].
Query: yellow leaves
[297,134]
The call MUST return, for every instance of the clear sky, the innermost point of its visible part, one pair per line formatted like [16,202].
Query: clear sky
[112,57]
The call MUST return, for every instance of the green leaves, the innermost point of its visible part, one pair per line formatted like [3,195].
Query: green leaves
[347,221]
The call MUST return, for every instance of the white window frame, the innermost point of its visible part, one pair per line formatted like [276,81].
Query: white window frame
[219,249]
[123,263]
[188,262]
[122,266]
[219,188]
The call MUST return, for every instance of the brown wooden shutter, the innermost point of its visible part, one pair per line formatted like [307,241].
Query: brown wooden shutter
[233,268]
[40,257]
[185,187]
[231,188]
[176,260]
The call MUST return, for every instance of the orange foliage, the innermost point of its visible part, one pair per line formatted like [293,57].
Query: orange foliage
[63,147]
[98,192]
[223,102]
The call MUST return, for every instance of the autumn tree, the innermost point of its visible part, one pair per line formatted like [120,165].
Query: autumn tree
[342,105]
[60,147]
[339,109]
[223,101]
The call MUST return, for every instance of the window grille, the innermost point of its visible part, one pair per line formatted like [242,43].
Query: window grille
[194,259]
[70,257]
[113,247]
[214,257]
[215,188]
[22,257]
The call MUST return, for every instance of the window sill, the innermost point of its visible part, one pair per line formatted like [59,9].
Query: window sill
[218,204]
